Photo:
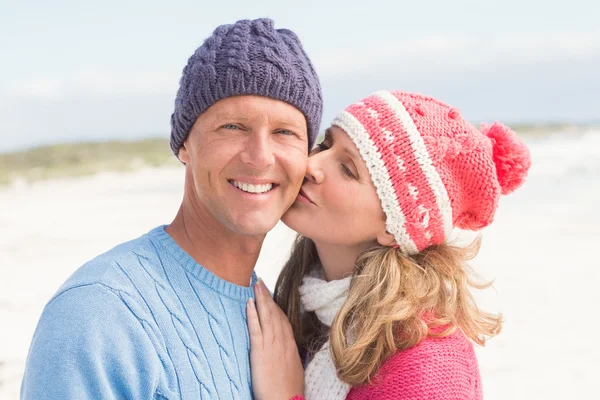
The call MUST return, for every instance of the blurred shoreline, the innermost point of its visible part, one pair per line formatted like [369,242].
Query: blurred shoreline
[70,160]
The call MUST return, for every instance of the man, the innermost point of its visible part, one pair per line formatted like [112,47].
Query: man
[163,316]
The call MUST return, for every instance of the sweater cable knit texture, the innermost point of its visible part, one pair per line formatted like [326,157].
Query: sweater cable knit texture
[143,320]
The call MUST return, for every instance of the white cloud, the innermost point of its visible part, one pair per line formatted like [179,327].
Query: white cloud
[102,83]
[38,87]
[439,53]
[402,57]
[96,82]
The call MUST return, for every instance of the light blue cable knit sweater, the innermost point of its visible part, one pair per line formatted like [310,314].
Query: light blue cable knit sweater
[142,321]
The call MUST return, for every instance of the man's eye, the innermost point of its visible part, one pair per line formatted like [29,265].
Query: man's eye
[286,132]
[230,126]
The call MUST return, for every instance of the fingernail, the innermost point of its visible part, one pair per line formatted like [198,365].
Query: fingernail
[260,284]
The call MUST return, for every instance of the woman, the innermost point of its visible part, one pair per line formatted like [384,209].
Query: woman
[377,299]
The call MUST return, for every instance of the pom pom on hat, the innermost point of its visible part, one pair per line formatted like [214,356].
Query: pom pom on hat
[510,155]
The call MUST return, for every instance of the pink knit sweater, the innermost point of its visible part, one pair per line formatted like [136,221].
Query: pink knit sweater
[435,369]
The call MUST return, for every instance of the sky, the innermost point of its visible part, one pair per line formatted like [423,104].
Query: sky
[78,71]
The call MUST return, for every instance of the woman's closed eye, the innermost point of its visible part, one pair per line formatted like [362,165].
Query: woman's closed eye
[348,172]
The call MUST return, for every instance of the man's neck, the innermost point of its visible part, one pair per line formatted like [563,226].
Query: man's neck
[338,261]
[228,255]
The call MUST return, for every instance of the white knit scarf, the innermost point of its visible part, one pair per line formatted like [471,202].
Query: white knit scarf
[325,299]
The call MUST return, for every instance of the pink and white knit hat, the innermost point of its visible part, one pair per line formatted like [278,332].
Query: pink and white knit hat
[432,170]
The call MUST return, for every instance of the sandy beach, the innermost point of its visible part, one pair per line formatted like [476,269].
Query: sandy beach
[540,251]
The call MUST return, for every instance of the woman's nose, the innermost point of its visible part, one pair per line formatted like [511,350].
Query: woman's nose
[314,170]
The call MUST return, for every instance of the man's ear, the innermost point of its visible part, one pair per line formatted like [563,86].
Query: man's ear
[386,239]
[183,154]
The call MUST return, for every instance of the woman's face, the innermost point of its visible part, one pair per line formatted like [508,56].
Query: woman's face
[338,203]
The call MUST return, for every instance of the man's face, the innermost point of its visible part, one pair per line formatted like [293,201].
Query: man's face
[246,159]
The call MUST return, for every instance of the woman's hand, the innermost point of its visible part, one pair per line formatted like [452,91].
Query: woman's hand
[277,372]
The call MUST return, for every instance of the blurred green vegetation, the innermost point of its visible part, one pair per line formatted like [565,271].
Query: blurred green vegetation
[79,159]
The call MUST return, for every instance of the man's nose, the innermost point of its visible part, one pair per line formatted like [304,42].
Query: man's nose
[258,151]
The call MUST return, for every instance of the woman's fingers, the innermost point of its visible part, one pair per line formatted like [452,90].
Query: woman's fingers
[264,312]
[276,313]
[275,327]
[275,365]
[256,340]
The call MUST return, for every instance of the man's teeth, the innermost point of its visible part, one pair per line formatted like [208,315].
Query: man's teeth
[250,188]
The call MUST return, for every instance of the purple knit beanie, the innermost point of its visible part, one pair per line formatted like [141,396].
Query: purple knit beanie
[247,58]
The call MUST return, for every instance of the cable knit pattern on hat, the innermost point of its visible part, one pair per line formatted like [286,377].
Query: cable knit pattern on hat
[432,170]
[247,58]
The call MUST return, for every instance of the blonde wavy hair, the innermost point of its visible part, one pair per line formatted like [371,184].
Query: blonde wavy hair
[395,302]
